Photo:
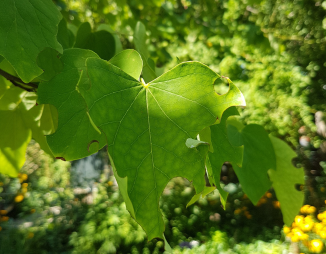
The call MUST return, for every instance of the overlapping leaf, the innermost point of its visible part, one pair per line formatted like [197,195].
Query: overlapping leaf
[140,45]
[284,179]
[20,121]
[101,42]
[26,28]
[75,137]
[146,126]
[258,158]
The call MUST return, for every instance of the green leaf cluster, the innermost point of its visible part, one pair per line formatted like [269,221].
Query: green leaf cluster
[156,126]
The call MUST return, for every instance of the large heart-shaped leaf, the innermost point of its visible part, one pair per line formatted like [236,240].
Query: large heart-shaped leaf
[284,179]
[75,133]
[146,126]
[26,28]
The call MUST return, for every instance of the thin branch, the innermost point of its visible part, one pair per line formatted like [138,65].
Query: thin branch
[15,79]
[22,87]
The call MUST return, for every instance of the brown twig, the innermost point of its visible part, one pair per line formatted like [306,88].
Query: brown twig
[15,79]
[22,87]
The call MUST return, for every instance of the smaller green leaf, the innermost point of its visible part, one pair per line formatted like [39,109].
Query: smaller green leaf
[49,119]
[75,134]
[233,97]
[140,45]
[202,194]
[258,158]
[129,61]
[65,36]
[11,98]
[1,58]
[4,86]
[284,179]
[14,138]
[118,45]
[223,194]
[48,60]
[193,143]
[101,42]
[27,27]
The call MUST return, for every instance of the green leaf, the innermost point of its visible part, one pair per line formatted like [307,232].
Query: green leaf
[14,138]
[49,119]
[4,86]
[146,135]
[26,28]
[193,143]
[223,150]
[1,58]
[118,45]
[258,158]
[284,179]
[202,194]
[50,63]
[101,42]
[140,45]
[65,37]
[75,135]
[129,61]
[233,97]
[11,98]
[211,178]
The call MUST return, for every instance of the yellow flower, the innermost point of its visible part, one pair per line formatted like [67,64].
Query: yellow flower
[307,226]
[25,185]
[298,219]
[237,211]
[3,212]
[269,195]
[33,210]
[322,234]
[311,210]
[322,189]
[4,218]
[24,190]
[276,204]
[19,198]
[304,209]
[30,235]
[110,183]
[320,216]
[304,237]
[295,238]
[1,183]
[316,246]
[286,230]
[318,227]
[24,177]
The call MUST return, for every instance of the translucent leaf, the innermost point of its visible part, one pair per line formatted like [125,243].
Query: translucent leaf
[202,194]
[26,28]
[146,126]
[129,61]
[284,179]
[14,138]
[75,136]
